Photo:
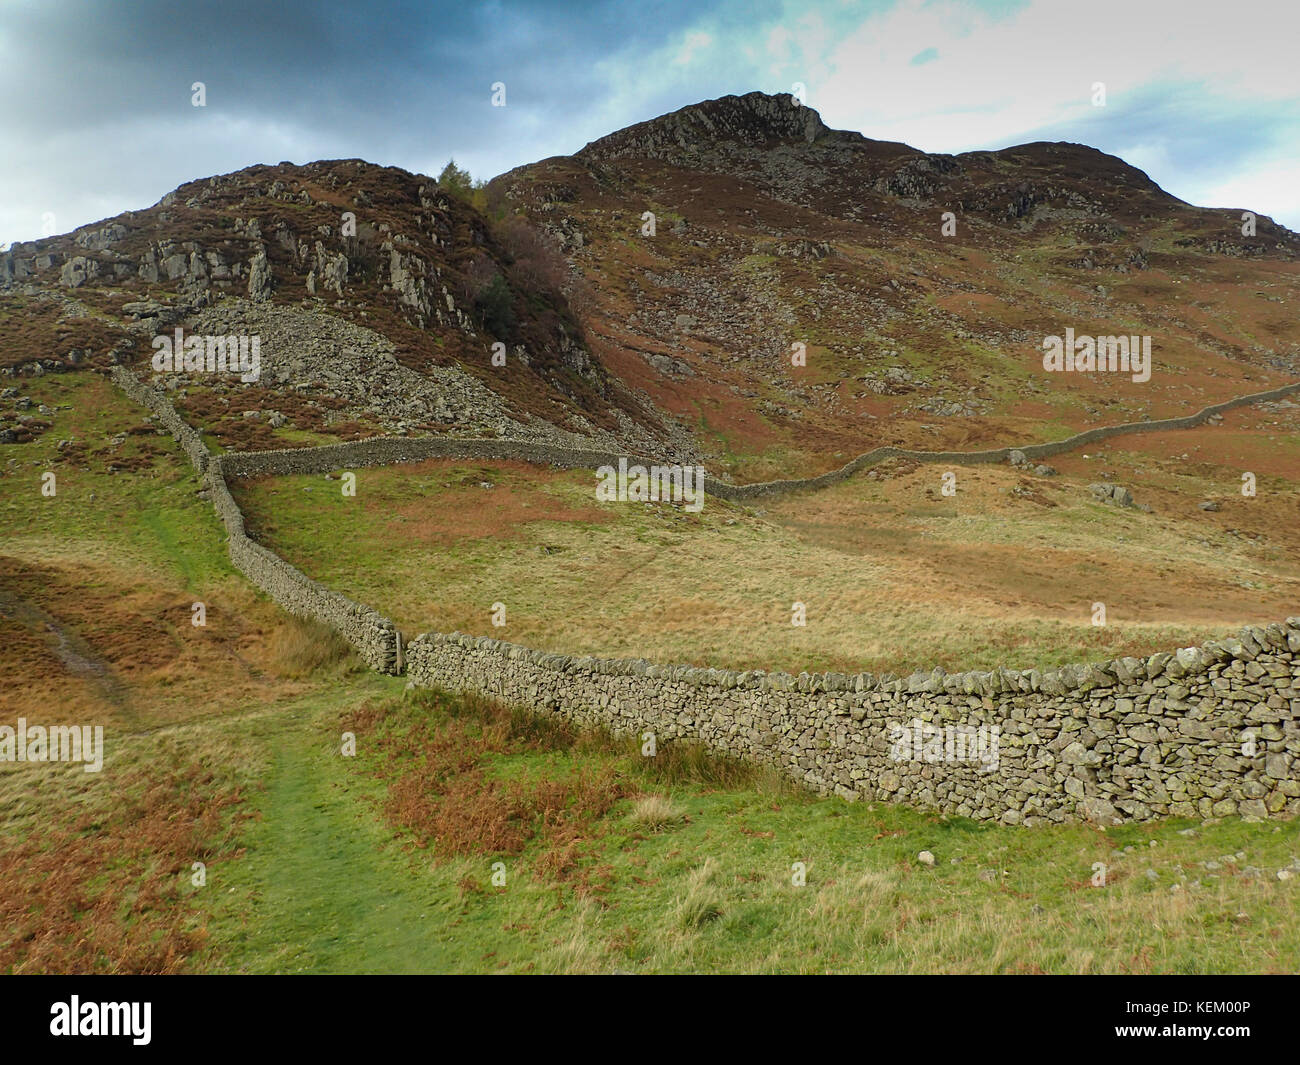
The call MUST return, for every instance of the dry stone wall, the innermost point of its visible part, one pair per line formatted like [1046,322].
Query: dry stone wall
[1035,452]
[1207,731]
[382,451]
[375,637]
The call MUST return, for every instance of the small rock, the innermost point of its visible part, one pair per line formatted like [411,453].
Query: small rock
[925,858]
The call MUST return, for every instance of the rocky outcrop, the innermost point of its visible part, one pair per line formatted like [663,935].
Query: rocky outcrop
[78,270]
[755,119]
[330,271]
[259,277]
[919,178]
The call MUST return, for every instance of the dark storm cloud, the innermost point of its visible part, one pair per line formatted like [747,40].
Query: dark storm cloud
[100,95]
[407,68]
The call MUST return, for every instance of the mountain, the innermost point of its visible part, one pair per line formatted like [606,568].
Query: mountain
[771,229]
[920,287]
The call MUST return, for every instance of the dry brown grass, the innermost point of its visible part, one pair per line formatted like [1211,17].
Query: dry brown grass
[443,793]
[104,894]
[302,646]
[655,813]
[468,511]
[895,576]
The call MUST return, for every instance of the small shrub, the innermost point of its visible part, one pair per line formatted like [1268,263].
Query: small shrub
[536,260]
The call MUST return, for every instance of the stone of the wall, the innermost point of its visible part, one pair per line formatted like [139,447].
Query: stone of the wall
[375,637]
[1130,739]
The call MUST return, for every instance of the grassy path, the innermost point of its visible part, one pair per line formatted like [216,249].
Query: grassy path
[322,888]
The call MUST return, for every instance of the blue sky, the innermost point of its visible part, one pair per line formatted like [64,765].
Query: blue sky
[98,119]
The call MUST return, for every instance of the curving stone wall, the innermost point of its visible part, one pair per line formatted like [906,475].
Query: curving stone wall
[374,636]
[383,451]
[1035,452]
[1208,731]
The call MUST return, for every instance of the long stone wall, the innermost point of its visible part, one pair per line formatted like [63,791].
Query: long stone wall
[374,636]
[383,451]
[1001,454]
[1208,731]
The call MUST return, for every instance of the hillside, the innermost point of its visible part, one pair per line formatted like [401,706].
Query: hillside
[771,229]
[378,295]
[373,291]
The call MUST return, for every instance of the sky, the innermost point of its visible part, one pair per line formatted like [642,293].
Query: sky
[99,113]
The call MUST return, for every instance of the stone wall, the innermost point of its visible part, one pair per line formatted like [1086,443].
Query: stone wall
[383,451]
[386,450]
[1208,731]
[375,637]
[1033,452]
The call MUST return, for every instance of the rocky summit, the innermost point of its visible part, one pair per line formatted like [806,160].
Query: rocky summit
[731,280]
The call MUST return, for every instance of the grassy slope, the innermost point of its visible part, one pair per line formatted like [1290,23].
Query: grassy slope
[895,576]
[320,879]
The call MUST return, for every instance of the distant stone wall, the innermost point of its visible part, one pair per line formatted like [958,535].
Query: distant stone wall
[965,458]
[384,451]
[387,450]
[374,636]
[1209,731]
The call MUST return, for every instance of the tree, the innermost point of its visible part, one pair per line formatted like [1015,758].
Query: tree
[456,181]
[495,305]
[536,260]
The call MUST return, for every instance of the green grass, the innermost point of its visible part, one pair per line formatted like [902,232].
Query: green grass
[152,516]
[324,887]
